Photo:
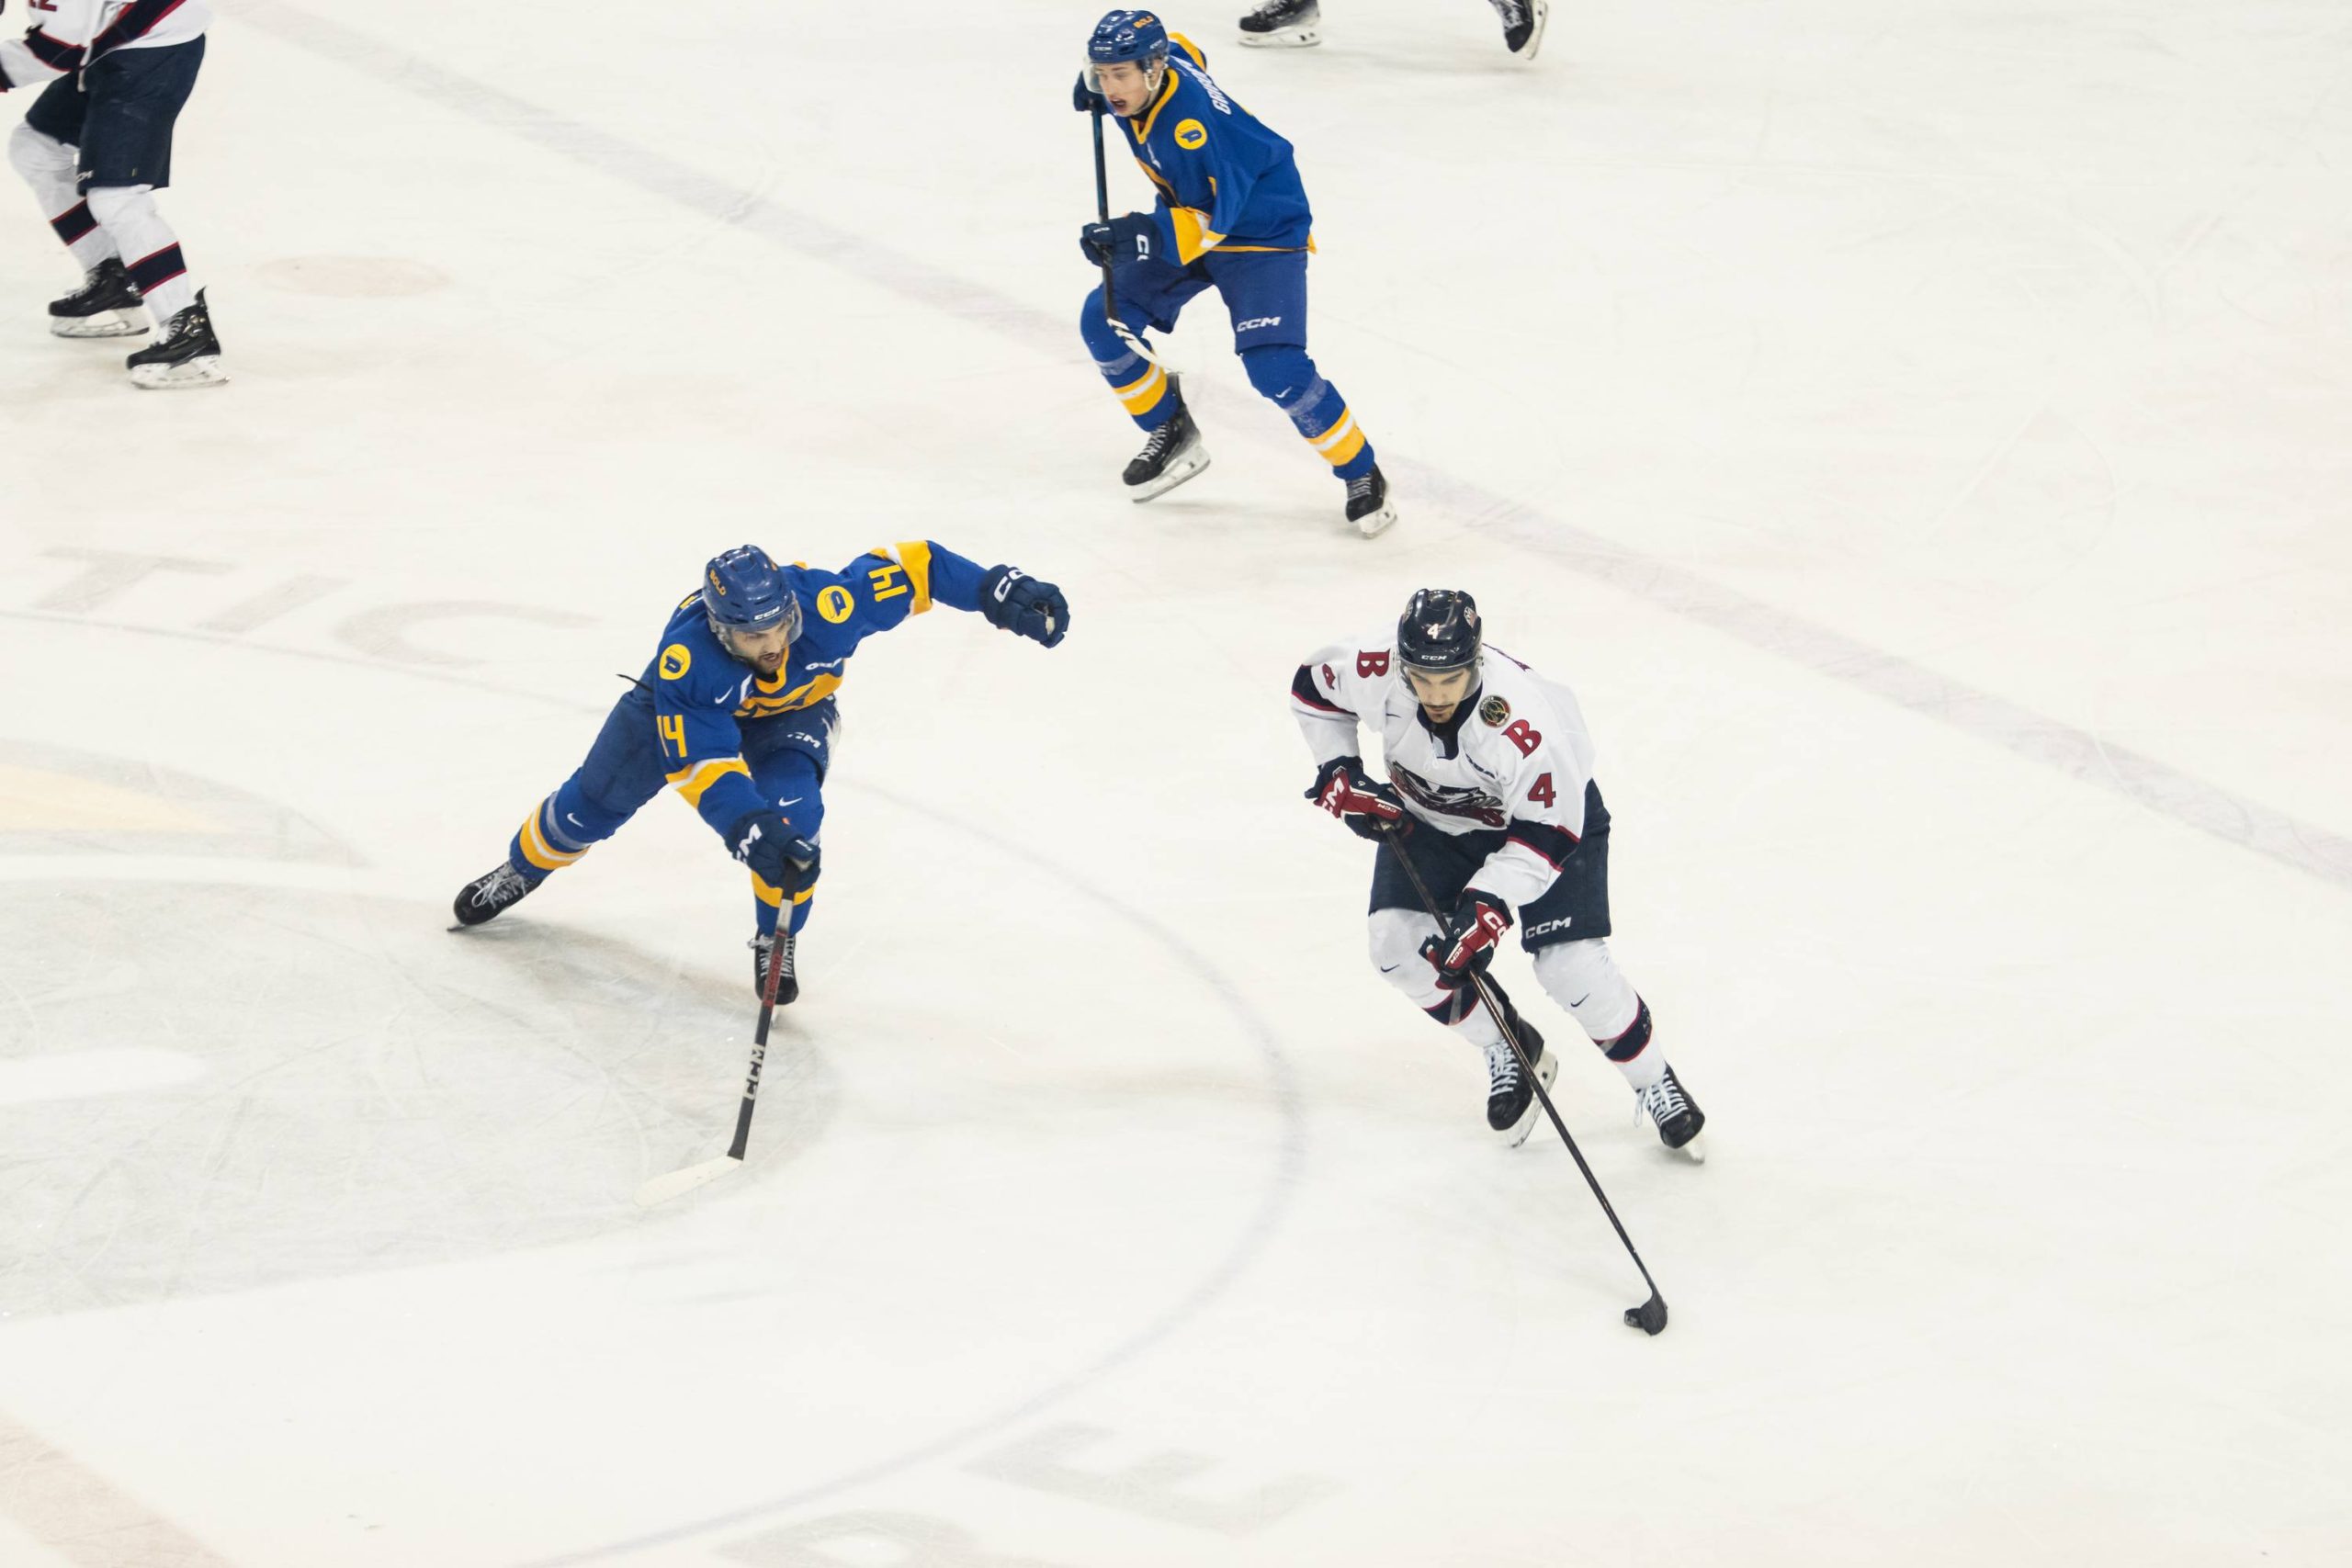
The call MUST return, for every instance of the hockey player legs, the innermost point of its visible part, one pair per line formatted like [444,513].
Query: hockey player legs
[95,147]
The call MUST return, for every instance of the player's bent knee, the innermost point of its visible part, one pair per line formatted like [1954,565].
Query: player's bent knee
[34,155]
[1279,371]
[1582,977]
[112,204]
[1396,936]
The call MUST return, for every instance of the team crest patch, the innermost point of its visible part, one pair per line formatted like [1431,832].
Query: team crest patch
[1192,135]
[1494,710]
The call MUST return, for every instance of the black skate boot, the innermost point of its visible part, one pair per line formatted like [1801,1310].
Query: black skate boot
[1511,1098]
[187,354]
[487,896]
[787,982]
[1284,23]
[1368,507]
[1170,455]
[1677,1116]
[106,305]
[1522,24]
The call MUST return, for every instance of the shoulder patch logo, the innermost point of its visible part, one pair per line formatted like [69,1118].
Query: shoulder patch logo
[675,661]
[1192,135]
[835,603]
[1330,679]
[1494,710]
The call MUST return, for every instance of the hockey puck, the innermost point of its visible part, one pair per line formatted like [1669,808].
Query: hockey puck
[1649,1317]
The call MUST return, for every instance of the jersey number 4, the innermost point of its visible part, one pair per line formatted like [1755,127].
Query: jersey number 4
[1542,793]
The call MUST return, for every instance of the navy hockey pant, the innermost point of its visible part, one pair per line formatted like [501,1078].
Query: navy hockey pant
[1265,295]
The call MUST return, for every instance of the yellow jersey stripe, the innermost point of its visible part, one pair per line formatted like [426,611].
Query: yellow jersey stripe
[692,782]
[915,556]
[1194,238]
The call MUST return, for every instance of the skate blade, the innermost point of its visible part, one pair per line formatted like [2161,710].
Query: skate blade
[204,372]
[1176,473]
[1535,38]
[114,323]
[1371,524]
[1288,38]
[1510,1137]
[1695,1151]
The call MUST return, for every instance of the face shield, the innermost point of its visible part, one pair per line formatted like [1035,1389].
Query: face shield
[1441,690]
[766,645]
[1126,85]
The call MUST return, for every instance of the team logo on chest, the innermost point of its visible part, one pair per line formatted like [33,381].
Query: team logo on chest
[1192,135]
[1494,710]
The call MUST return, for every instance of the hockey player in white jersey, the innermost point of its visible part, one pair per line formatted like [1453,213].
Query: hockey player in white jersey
[1490,793]
[94,146]
[1298,24]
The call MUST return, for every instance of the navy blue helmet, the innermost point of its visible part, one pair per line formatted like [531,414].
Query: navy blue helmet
[1129,34]
[1439,632]
[744,590]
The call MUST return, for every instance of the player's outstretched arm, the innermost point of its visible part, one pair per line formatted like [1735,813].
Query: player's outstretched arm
[887,584]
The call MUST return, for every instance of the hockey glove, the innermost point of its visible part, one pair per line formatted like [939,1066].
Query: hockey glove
[1085,99]
[764,841]
[1018,602]
[1124,239]
[1467,944]
[1368,807]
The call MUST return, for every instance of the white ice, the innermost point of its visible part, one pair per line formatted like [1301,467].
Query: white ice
[1917,432]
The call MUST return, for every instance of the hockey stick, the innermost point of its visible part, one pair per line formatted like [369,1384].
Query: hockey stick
[661,1188]
[1650,1316]
[1110,294]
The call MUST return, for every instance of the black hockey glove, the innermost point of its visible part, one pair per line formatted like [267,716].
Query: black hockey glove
[1086,100]
[1125,238]
[778,856]
[1369,808]
[1020,603]
[1468,944]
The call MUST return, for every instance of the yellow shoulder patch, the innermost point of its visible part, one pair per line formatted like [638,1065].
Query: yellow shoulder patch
[835,603]
[1192,135]
[675,661]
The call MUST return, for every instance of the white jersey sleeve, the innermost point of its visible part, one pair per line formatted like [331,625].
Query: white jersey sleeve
[1334,692]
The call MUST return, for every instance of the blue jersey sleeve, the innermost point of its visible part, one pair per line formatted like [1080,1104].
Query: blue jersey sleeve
[696,689]
[887,584]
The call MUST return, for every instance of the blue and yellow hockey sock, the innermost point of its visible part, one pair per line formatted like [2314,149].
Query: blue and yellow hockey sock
[543,844]
[1287,377]
[1141,386]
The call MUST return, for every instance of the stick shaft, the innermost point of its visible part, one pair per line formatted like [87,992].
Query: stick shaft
[1493,1005]
[1110,289]
[759,1046]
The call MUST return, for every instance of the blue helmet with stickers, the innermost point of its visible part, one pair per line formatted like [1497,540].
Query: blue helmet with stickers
[1123,35]
[743,589]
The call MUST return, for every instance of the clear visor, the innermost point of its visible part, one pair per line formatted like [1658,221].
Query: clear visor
[1150,66]
[788,624]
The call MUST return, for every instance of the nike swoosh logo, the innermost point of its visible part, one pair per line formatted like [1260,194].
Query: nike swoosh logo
[1388,968]
[793,801]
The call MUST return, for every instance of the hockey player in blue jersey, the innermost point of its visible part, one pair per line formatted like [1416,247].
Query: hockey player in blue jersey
[1298,24]
[1232,216]
[736,710]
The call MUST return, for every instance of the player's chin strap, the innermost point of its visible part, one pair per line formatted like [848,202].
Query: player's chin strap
[1102,212]
[1650,1316]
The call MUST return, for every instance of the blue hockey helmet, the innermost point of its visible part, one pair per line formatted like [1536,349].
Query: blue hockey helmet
[743,589]
[1439,632]
[1137,36]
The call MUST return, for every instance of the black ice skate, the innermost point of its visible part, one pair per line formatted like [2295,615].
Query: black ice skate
[1511,1098]
[1170,455]
[1677,1116]
[1284,23]
[1522,24]
[106,305]
[1368,507]
[787,982]
[493,891]
[187,354]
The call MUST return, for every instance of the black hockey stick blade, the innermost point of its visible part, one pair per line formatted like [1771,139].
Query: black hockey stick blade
[1649,1317]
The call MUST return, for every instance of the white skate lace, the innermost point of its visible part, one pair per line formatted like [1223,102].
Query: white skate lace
[1503,1070]
[1664,1099]
[504,883]
[1281,10]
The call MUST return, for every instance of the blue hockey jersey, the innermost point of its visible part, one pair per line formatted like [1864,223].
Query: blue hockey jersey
[702,693]
[1226,182]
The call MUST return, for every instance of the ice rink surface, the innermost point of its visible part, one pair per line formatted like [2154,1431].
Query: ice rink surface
[1917,432]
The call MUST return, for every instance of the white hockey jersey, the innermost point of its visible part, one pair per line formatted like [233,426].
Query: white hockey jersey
[66,35]
[1513,761]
